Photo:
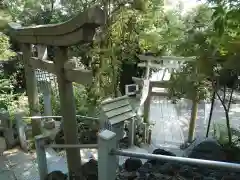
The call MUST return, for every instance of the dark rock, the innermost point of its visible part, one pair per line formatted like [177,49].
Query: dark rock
[160,152]
[59,138]
[167,169]
[197,177]
[186,171]
[159,176]
[163,152]
[152,177]
[209,178]
[217,175]
[124,143]
[90,170]
[230,178]
[208,149]
[177,166]
[132,164]
[144,170]
[146,167]
[124,175]
[56,175]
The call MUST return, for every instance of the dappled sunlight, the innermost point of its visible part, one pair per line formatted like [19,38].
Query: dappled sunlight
[172,120]
[235,108]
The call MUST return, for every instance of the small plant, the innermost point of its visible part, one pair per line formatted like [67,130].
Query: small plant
[5,51]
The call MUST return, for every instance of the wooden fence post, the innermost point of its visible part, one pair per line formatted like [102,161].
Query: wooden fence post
[147,104]
[107,164]
[131,134]
[41,156]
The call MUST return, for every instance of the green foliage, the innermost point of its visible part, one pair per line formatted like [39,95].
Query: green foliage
[188,83]
[86,102]
[210,32]
[5,93]
[220,133]
[5,51]
[10,101]
[5,17]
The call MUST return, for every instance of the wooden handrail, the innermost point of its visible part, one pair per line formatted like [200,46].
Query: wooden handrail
[79,29]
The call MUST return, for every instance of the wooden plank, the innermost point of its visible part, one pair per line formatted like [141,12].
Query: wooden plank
[114,100]
[78,75]
[114,105]
[118,111]
[122,117]
[44,65]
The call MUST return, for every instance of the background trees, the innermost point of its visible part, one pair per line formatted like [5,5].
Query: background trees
[210,32]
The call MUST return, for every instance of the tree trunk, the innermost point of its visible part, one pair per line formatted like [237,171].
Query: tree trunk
[228,125]
[211,112]
[191,132]
[226,110]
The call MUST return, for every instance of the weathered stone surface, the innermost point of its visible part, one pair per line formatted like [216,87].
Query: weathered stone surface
[9,135]
[50,124]
[124,143]
[90,170]
[160,152]
[59,138]
[186,171]
[174,171]
[208,149]
[56,175]
[132,164]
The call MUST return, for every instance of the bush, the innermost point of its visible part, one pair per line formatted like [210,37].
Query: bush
[10,101]
[5,51]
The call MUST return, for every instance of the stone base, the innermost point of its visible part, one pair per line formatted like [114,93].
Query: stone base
[9,138]
[186,144]
[49,124]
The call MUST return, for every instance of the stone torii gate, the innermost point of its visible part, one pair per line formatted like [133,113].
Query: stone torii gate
[79,30]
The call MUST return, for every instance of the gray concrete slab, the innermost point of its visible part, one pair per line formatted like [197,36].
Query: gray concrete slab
[5,171]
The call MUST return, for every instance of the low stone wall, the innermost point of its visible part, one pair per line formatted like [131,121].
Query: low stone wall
[7,130]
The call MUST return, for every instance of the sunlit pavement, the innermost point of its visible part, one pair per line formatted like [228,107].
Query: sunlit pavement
[172,121]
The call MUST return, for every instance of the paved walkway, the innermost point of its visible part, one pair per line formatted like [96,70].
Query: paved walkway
[17,165]
[172,120]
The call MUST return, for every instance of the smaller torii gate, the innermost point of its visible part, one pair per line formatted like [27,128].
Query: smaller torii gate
[160,62]
[79,30]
